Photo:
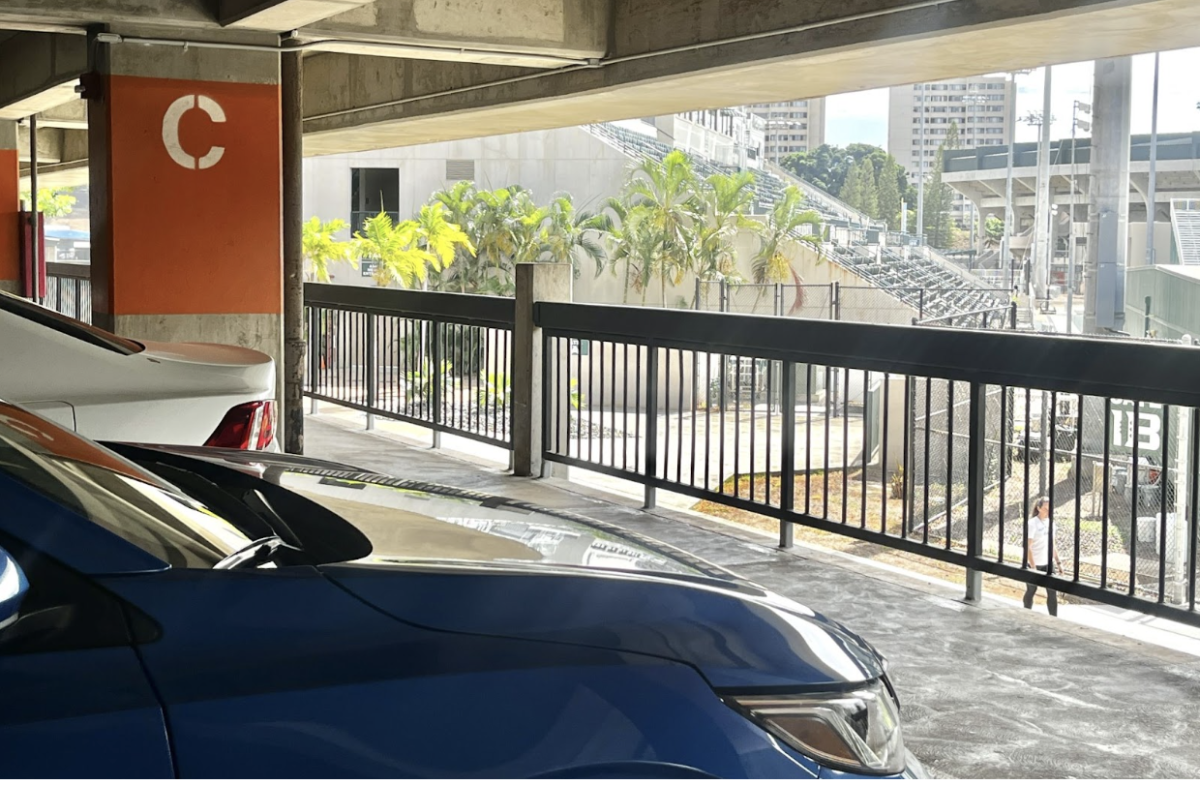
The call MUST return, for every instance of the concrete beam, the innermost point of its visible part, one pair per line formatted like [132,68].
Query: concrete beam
[55,146]
[673,56]
[533,33]
[72,114]
[38,71]
[280,14]
[75,15]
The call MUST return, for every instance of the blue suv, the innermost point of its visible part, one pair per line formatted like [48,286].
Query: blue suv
[202,613]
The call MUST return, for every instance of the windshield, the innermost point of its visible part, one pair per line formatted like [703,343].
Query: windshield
[66,325]
[112,492]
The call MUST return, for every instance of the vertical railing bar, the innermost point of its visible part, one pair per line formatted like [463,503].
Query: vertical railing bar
[949,461]
[808,385]
[906,469]
[845,446]
[1193,507]
[1025,510]
[829,398]
[506,417]
[437,383]
[1052,444]
[372,371]
[1005,457]
[591,400]
[548,395]
[637,386]
[625,406]
[866,440]
[707,420]
[651,459]
[612,407]
[1104,498]
[753,417]
[770,383]
[1163,476]
[925,476]
[1134,475]
[600,345]
[666,462]
[737,429]
[787,453]
[679,430]
[695,401]
[883,453]
[1078,480]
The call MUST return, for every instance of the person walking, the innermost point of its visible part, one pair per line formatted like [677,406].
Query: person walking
[1039,549]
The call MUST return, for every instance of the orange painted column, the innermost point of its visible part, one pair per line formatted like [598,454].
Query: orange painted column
[186,196]
[10,229]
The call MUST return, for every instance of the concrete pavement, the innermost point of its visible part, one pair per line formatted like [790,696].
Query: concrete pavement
[988,690]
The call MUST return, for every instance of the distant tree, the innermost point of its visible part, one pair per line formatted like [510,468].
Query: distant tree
[826,167]
[993,231]
[889,193]
[861,190]
[53,202]
[939,197]
[666,190]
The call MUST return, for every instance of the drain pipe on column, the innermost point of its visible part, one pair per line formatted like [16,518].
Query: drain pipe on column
[294,343]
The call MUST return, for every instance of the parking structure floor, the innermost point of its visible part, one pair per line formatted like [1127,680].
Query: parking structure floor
[987,690]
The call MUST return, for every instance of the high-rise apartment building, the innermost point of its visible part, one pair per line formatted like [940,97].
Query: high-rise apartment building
[920,117]
[792,126]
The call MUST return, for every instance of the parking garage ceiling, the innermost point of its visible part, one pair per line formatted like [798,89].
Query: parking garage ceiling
[395,72]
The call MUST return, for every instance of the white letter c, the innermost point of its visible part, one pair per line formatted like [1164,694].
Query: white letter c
[170,130]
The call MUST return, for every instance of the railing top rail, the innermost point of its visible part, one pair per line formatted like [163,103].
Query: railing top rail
[473,309]
[69,270]
[1076,364]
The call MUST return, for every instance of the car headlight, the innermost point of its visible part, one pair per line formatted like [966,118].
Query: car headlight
[857,731]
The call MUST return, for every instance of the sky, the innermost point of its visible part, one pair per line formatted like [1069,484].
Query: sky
[863,116]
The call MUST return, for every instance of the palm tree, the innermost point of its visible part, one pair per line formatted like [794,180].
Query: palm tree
[461,204]
[570,233]
[495,240]
[787,217]
[667,191]
[441,237]
[320,248]
[396,248]
[727,198]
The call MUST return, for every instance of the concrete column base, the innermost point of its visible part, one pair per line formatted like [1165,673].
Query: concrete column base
[12,287]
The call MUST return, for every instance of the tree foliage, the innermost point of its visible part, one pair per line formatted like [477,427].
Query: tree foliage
[320,247]
[939,197]
[53,202]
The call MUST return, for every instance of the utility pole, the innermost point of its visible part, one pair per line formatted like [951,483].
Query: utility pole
[1042,256]
[1076,124]
[1152,191]
[921,170]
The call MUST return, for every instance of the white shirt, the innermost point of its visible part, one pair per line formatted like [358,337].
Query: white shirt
[1039,536]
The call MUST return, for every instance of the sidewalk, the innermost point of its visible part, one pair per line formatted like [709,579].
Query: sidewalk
[988,690]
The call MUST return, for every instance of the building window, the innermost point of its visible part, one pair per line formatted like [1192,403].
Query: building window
[373,191]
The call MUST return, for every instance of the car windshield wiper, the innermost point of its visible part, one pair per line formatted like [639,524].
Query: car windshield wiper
[255,554]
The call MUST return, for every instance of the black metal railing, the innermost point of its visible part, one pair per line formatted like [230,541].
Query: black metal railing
[69,290]
[933,441]
[442,361]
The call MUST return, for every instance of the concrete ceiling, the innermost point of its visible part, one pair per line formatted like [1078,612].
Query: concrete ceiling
[956,39]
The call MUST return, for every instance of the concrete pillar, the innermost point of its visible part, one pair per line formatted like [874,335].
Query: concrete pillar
[295,347]
[1108,211]
[184,162]
[535,283]
[10,230]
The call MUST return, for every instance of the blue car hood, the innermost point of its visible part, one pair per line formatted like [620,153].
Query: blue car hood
[737,635]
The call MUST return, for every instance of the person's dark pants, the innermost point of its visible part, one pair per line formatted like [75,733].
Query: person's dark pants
[1051,595]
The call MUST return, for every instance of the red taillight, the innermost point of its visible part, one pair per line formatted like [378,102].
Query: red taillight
[250,426]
